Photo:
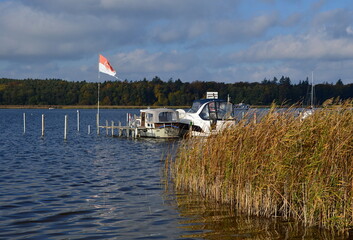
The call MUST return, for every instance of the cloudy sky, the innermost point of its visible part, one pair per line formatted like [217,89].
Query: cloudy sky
[225,41]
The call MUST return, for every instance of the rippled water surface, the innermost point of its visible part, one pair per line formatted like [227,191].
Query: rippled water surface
[99,187]
[86,187]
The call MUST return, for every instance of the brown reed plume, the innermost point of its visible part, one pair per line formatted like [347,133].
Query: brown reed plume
[280,166]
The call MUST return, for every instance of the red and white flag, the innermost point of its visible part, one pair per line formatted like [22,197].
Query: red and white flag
[105,67]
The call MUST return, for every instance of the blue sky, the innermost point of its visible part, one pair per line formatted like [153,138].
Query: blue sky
[224,41]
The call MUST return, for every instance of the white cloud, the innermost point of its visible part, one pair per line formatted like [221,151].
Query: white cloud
[305,47]
[147,9]
[142,61]
[234,30]
[43,36]
[334,23]
[349,30]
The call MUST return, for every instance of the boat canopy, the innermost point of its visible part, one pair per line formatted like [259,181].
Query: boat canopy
[198,103]
[216,110]
[161,115]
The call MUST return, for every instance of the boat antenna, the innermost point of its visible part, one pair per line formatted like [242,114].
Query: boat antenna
[312,91]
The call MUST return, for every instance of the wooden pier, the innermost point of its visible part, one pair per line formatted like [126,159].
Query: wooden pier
[131,130]
[122,131]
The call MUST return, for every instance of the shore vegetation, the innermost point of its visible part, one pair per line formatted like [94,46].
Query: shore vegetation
[281,166]
[156,92]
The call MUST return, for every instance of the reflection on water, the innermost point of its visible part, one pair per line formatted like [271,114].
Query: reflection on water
[209,220]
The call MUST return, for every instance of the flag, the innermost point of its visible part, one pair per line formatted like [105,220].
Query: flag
[105,67]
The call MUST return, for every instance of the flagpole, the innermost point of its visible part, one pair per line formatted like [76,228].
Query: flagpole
[105,67]
[98,98]
[98,101]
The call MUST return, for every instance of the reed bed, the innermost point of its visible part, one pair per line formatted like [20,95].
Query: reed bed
[281,166]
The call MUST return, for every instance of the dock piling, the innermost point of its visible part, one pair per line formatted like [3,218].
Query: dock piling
[65,128]
[119,131]
[43,124]
[98,124]
[106,127]
[78,120]
[24,123]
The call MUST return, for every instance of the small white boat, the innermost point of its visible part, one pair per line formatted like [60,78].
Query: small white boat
[309,111]
[241,106]
[208,116]
[157,123]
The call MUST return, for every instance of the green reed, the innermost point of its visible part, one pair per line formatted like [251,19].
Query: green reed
[280,166]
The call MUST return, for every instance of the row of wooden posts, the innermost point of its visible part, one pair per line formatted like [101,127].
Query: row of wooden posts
[129,132]
[65,125]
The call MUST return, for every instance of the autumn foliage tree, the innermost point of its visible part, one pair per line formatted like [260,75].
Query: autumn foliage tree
[157,92]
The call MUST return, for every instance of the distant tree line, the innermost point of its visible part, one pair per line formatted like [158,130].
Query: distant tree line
[163,93]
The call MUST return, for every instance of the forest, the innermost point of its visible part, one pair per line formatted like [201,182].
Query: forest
[157,92]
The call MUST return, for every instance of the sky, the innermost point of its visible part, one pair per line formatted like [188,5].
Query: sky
[191,40]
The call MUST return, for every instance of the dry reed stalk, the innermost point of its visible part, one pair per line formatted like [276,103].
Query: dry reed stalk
[278,166]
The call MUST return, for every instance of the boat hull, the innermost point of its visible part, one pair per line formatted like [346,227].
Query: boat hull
[165,132]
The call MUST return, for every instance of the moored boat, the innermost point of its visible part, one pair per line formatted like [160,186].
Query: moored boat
[208,116]
[157,123]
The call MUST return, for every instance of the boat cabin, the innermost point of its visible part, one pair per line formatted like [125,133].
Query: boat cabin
[206,116]
[153,118]
[212,109]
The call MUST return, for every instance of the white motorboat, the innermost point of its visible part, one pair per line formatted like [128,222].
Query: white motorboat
[207,116]
[157,123]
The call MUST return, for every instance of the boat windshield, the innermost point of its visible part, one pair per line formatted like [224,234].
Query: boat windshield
[217,110]
[168,117]
[195,106]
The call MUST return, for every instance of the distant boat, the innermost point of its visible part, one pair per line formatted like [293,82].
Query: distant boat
[51,108]
[241,106]
[310,111]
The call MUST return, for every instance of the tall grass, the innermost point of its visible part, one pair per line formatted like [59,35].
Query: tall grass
[280,166]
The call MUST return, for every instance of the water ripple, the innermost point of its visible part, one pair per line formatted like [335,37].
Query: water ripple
[89,187]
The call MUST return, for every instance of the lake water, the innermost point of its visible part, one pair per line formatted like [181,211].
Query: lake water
[99,187]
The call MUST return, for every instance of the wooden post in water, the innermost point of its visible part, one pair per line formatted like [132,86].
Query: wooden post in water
[43,125]
[97,123]
[112,128]
[65,128]
[78,120]
[255,118]
[106,127]
[89,129]
[24,123]
[120,131]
